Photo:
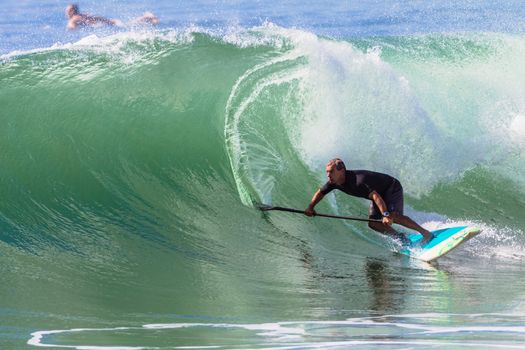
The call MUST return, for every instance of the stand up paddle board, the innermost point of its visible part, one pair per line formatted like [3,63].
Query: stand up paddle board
[442,242]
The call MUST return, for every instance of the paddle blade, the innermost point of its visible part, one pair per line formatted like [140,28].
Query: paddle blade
[265,207]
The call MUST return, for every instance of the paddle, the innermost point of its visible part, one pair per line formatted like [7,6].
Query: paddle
[265,207]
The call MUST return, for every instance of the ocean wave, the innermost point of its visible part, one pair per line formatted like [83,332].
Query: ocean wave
[122,120]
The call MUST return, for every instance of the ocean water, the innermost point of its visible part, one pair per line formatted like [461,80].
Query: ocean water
[131,160]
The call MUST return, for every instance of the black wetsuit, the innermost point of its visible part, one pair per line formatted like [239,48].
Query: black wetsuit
[361,183]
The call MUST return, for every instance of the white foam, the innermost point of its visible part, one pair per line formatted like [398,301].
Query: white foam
[365,112]
[36,339]
[113,43]
[267,34]
[308,334]
[418,126]
[517,126]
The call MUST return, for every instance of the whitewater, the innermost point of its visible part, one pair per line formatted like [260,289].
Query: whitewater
[133,160]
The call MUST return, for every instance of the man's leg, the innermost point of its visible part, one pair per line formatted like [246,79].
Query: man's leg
[395,203]
[382,228]
[411,224]
[373,213]
[389,231]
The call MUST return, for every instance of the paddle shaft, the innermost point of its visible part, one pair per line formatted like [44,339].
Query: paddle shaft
[291,210]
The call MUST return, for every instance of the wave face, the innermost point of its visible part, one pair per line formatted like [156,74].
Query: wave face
[131,163]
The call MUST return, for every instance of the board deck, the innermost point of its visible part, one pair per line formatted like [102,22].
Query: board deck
[443,241]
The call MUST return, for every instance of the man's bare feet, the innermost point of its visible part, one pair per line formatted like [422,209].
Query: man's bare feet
[427,236]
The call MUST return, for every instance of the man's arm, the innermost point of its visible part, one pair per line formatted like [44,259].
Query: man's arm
[382,206]
[315,199]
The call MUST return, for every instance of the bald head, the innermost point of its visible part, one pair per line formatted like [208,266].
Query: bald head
[338,163]
[336,171]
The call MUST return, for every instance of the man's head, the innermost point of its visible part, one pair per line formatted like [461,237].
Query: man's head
[71,10]
[335,171]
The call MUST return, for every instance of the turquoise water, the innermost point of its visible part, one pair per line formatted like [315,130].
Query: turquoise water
[131,161]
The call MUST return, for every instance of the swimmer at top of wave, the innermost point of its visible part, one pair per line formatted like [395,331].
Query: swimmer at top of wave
[78,19]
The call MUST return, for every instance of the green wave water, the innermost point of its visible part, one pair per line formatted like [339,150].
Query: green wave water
[131,163]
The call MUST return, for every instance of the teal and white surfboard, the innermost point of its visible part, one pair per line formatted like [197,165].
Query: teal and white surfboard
[444,241]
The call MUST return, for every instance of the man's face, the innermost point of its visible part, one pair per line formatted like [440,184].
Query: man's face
[70,11]
[334,176]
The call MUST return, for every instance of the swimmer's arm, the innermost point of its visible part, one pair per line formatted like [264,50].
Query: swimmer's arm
[104,20]
[72,23]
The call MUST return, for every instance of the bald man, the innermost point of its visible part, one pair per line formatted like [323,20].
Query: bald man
[384,192]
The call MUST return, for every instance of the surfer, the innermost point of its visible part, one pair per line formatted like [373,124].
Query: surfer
[385,192]
[76,19]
